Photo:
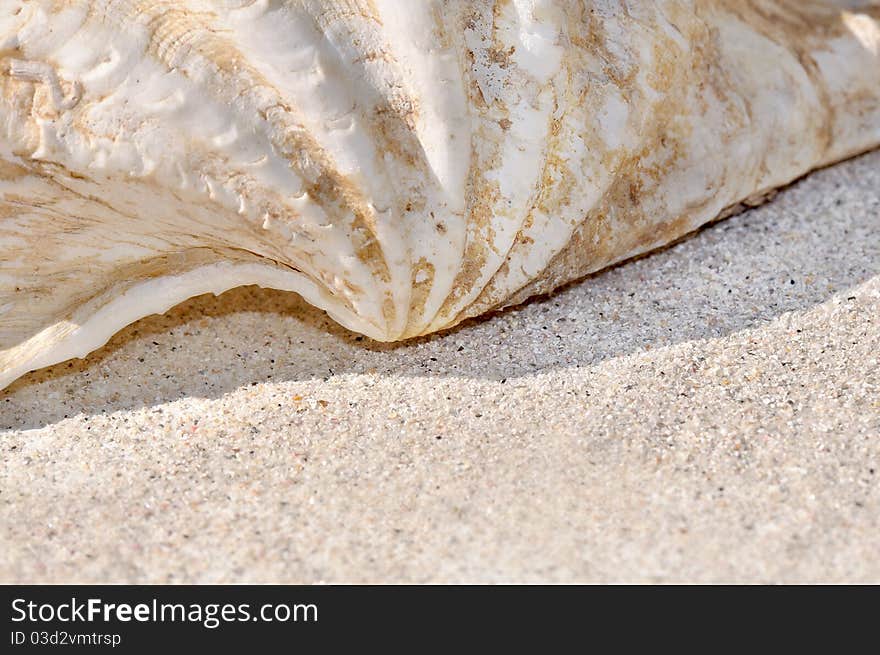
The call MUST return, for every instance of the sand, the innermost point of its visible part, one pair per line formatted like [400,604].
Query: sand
[710,413]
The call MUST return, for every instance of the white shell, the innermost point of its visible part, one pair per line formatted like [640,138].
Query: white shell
[402,165]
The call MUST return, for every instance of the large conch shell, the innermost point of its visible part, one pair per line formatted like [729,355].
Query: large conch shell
[402,165]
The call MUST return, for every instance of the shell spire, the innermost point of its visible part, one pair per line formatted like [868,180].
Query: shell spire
[403,168]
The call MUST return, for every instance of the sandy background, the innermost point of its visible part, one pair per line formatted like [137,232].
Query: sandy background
[710,413]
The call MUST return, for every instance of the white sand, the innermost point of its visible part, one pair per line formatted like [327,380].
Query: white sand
[710,413]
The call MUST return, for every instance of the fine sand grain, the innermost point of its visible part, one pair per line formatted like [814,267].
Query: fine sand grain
[710,413]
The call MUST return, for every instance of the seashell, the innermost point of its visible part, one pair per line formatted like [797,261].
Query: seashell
[403,166]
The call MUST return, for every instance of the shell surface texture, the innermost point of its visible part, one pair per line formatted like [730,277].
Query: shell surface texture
[401,165]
